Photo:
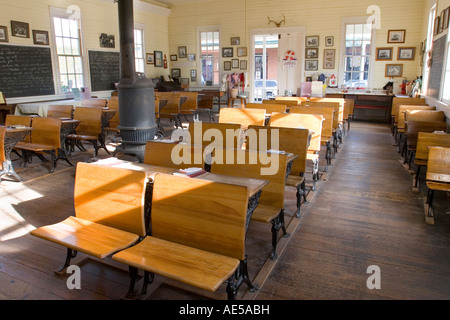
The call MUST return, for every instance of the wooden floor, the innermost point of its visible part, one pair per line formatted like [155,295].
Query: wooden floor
[364,214]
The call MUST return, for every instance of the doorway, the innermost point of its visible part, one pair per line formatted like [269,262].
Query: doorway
[276,62]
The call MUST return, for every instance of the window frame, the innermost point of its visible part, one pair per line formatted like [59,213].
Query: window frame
[220,71]
[428,48]
[344,23]
[64,14]
[140,27]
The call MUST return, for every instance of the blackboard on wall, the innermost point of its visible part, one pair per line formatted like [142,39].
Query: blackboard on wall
[26,71]
[437,65]
[104,68]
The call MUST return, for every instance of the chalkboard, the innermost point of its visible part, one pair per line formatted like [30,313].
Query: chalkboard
[104,67]
[437,65]
[26,71]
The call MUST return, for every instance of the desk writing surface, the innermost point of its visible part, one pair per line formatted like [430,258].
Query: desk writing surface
[150,170]
[253,185]
[438,177]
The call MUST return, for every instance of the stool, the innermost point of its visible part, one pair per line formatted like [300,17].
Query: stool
[243,102]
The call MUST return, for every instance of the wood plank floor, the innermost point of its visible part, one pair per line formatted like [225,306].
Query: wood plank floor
[364,214]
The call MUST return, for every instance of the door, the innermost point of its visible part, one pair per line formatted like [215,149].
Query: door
[276,62]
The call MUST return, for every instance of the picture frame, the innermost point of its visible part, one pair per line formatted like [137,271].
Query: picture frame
[173,57]
[175,73]
[184,81]
[235,41]
[384,54]
[20,29]
[394,70]
[234,63]
[227,52]
[311,65]
[150,58]
[182,52]
[106,40]
[243,65]
[312,41]
[227,65]
[191,57]
[40,37]
[406,53]
[193,74]
[436,26]
[158,58]
[4,34]
[242,51]
[329,41]
[329,58]
[311,53]
[396,36]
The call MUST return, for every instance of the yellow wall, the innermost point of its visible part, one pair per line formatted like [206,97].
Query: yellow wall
[323,18]
[97,16]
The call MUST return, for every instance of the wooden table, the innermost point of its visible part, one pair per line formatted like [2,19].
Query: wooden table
[13,136]
[217,94]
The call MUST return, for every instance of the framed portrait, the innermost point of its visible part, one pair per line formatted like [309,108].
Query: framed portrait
[173,57]
[242,51]
[311,53]
[158,58]
[227,52]
[191,57]
[311,65]
[312,41]
[234,63]
[396,36]
[329,41]
[150,58]
[384,54]
[182,52]
[193,74]
[406,53]
[4,34]
[329,58]
[40,37]
[243,65]
[20,29]
[227,65]
[394,70]
[175,73]
[106,40]
[235,41]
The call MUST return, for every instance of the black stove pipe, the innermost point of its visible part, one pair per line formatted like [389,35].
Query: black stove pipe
[136,92]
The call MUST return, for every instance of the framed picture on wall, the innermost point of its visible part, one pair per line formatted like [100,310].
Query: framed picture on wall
[311,53]
[175,73]
[40,37]
[312,41]
[446,18]
[182,52]
[173,57]
[384,54]
[191,57]
[311,65]
[235,41]
[158,59]
[243,65]
[4,34]
[193,75]
[406,53]
[394,70]
[442,21]
[227,65]
[150,58]
[227,52]
[329,58]
[235,63]
[396,36]
[329,41]
[436,26]
[242,51]
[20,29]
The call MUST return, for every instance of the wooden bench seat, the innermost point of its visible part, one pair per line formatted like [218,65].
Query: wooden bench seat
[194,240]
[398,101]
[244,117]
[45,139]
[437,178]
[109,213]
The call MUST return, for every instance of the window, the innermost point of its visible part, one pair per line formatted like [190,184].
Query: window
[68,50]
[139,50]
[209,57]
[357,55]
